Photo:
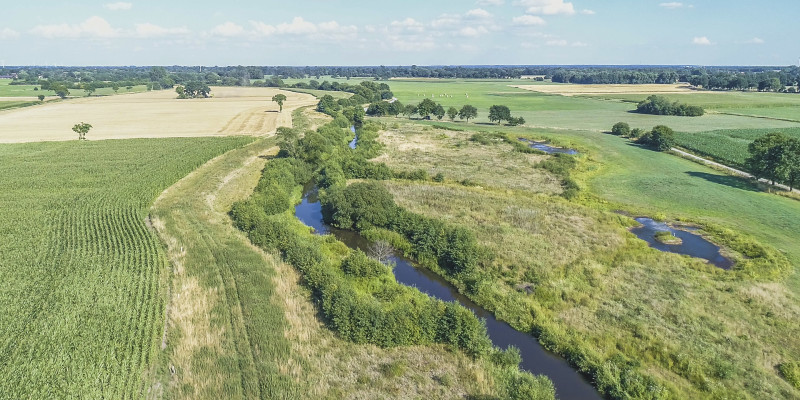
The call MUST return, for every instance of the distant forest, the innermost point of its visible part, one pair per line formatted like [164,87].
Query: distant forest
[776,79]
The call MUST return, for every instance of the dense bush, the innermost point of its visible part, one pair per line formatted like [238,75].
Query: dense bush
[661,138]
[358,264]
[621,129]
[658,105]
[791,372]
[366,205]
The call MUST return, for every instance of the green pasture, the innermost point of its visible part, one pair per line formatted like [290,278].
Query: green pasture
[8,90]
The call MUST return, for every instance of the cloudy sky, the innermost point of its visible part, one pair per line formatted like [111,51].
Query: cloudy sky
[399,32]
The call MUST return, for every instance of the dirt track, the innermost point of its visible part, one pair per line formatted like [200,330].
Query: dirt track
[231,111]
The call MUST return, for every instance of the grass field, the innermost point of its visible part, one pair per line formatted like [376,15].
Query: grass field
[83,277]
[564,112]
[232,111]
[6,105]
[598,291]
[586,90]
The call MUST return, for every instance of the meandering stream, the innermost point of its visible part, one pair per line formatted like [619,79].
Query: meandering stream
[569,383]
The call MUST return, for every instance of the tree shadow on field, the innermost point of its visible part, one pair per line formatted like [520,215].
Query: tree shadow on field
[727,180]
[271,111]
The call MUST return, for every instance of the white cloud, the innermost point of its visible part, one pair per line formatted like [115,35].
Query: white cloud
[118,6]
[672,5]
[148,30]
[228,29]
[557,42]
[702,41]
[754,40]
[262,29]
[8,33]
[298,26]
[93,27]
[478,13]
[528,20]
[490,2]
[409,24]
[588,12]
[547,7]
[473,32]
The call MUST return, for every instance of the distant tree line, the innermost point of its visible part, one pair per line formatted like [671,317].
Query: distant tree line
[781,79]
[427,108]
[659,105]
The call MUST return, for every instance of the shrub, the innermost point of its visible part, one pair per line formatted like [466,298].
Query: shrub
[621,129]
[358,264]
[791,372]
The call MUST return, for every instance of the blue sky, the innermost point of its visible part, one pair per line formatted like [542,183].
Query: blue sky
[399,32]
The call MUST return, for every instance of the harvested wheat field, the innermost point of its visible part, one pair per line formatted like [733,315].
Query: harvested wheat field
[230,111]
[577,90]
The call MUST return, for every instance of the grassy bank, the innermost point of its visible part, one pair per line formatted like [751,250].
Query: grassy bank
[601,297]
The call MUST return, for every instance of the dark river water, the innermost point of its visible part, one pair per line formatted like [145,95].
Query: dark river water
[569,383]
[692,244]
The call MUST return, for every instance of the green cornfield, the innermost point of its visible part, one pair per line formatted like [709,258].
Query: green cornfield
[727,146]
[83,287]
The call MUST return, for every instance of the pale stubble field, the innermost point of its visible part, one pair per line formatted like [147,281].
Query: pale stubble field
[230,111]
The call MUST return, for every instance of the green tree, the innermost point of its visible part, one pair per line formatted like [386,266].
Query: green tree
[515,121]
[89,88]
[790,162]
[766,156]
[661,138]
[115,88]
[157,73]
[499,113]
[196,89]
[279,98]
[41,97]
[181,92]
[60,90]
[425,108]
[468,112]
[409,110]
[621,129]
[452,113]
[82,129]
[439,112]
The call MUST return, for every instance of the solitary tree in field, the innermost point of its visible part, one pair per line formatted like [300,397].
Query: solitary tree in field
[452,113]
[41,97]
[279,98]
[115,88]
[82,129]
[468,112]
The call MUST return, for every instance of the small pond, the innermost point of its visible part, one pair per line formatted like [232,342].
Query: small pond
[691,244]
[545,147]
